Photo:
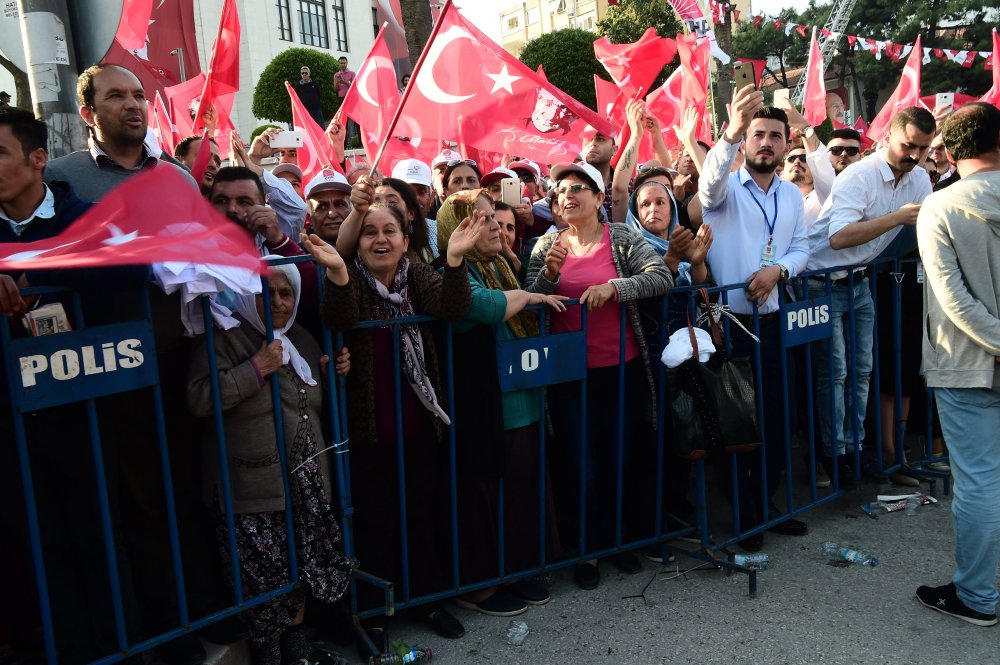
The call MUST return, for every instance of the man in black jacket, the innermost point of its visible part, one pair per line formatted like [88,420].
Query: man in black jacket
[309,94]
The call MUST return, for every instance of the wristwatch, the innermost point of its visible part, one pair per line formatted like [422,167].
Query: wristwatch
[783,274]
[809,132]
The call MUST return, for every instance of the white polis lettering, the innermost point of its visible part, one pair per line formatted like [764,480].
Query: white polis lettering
[66,364]
[807,316]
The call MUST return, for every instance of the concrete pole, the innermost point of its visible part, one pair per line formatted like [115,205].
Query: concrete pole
[48,47]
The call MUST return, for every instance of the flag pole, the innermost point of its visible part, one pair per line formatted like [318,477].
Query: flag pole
[406,93]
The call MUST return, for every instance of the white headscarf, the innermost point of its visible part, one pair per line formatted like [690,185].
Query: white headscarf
[246,306]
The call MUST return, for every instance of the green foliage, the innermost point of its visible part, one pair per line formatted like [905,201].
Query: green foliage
[626,21]
[260,130]
[569,62]
[270,99]
[764,42]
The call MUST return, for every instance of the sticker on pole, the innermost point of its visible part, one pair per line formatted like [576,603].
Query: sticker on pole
[75,366]
[532,362]
[807,321]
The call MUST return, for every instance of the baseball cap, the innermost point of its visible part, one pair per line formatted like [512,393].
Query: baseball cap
[413,171]
[327,179]
[526,165]
[287,168]
[446,156]
[498,173]
[560,171]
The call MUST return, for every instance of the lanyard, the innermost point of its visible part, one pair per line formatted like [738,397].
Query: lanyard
[769,223]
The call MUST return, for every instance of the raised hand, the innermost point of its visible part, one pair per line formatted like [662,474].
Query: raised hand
[363,194]
[264,220]
[700,244]
[680,245]
[327,256]
[554,260]
[635,113]
[464,237]
[687,130]
[746,102]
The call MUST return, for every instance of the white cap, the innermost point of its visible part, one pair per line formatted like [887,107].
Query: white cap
[526,165]
[447,155]
[328,179]
[498,173]
[287,168]
[560,171]
[413,171]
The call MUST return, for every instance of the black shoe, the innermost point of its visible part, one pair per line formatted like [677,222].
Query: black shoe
[500,604]
[627,562]
[445,624]
[754,543]
[185,650]
[945,599]
[530,592]
[586,576]
[790,528]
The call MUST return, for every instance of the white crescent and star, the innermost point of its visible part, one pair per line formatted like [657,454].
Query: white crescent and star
[375,63]
[503,80]
[425,81]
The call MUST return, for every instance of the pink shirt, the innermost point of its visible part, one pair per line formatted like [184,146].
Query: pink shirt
[343,80]
[603,325]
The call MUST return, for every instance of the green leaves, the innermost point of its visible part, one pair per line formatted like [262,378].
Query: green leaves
[270,99]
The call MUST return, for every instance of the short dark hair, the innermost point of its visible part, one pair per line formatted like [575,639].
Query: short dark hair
[846,134]
[448,171]
[773,113]
[182,149]
[500,205]
[85,84]
[971,131]
[235,174]
[31,132]
[397,214]
[652,172]
[920,118]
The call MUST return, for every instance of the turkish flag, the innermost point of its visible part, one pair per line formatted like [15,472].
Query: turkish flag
[862,128]
[499,103]
[664,103]
[184,100]
[134,24]
[155,217]
[316,152]
[992,95]
[608,95]
[634,67]
[814,98]
[223,76]
[694,81]
[201,159]
[906,94]
[165,130]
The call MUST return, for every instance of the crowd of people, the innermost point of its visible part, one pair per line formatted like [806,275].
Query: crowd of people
[769,210]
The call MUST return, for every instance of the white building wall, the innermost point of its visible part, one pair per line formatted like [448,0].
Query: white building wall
[260,42]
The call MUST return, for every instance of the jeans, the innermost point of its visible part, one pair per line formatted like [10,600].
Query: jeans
[837,423]
[970,419]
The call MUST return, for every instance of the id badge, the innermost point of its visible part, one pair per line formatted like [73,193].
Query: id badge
[767,256]
[920,273]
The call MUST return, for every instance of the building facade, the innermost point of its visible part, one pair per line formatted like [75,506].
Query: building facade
[526,20]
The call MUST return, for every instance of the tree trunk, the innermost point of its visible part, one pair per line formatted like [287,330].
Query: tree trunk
[417,20]
[22,89]
[724,73]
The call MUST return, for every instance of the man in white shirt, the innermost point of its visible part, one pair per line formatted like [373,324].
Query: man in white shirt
[870,204]
[760,238]
[797,172]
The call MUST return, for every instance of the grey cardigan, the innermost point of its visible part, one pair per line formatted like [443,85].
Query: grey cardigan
[254,467]
[641,274]
[958,231]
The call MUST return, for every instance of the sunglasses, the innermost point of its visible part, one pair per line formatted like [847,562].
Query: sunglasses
[801,157]
[527,177]
[459,162]
[839,150]
[576,189]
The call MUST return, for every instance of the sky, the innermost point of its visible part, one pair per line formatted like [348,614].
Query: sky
[486,13]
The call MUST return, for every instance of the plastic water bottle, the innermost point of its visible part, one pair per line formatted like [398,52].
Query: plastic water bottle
[753,561]
[516,632]
[834,551]
[400,653]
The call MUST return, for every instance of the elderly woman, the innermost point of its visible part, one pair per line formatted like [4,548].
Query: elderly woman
[379,282]
[496,433]
[606,266]
[245,361]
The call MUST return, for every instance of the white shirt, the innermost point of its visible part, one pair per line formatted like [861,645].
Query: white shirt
[864,190]
[45,210]
[822,171]
[736,206]
[811,207]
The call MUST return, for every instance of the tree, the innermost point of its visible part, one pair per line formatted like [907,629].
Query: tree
[569,62]
[270,99]
[626,21]
[418,22]
[790,50]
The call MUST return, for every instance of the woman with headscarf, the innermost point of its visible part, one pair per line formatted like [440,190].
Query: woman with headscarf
[496,432]
[379,282]
[245,361]
[609,267]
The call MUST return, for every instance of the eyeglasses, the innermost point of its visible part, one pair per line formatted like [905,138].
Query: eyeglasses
[459,162]
[576,189]
[801,157]
[527,177]
[838,150]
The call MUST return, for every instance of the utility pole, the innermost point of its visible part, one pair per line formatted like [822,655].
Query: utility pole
[52,74]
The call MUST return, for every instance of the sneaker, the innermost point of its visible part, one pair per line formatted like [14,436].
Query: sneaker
[586,576]
[658,554]
[529,591]
[944,599]
[942,467]
[500,604]
[822,479]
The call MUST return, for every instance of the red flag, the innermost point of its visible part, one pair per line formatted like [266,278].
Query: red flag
[184,101]
[664,103]
[541,73]
[316,152]
[930,101]
[155,217]
[134,24]
[801,29]
[607,100]
[757,20]
[500,103]
[814,98]
[694,81]
[223,76]
[862,128]
[635,66]
[992,95]
[758,69]
[165,130]
[201,159]
[852,40]
[906,94]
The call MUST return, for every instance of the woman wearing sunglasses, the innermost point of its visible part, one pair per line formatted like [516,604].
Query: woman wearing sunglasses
[605,266]
[461,175]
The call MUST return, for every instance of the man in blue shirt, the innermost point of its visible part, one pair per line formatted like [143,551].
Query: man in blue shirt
[760,238]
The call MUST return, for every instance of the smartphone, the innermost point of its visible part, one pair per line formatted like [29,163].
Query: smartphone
[944,100]
[292,139]
[743,75]
[510,191]
[781,93]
